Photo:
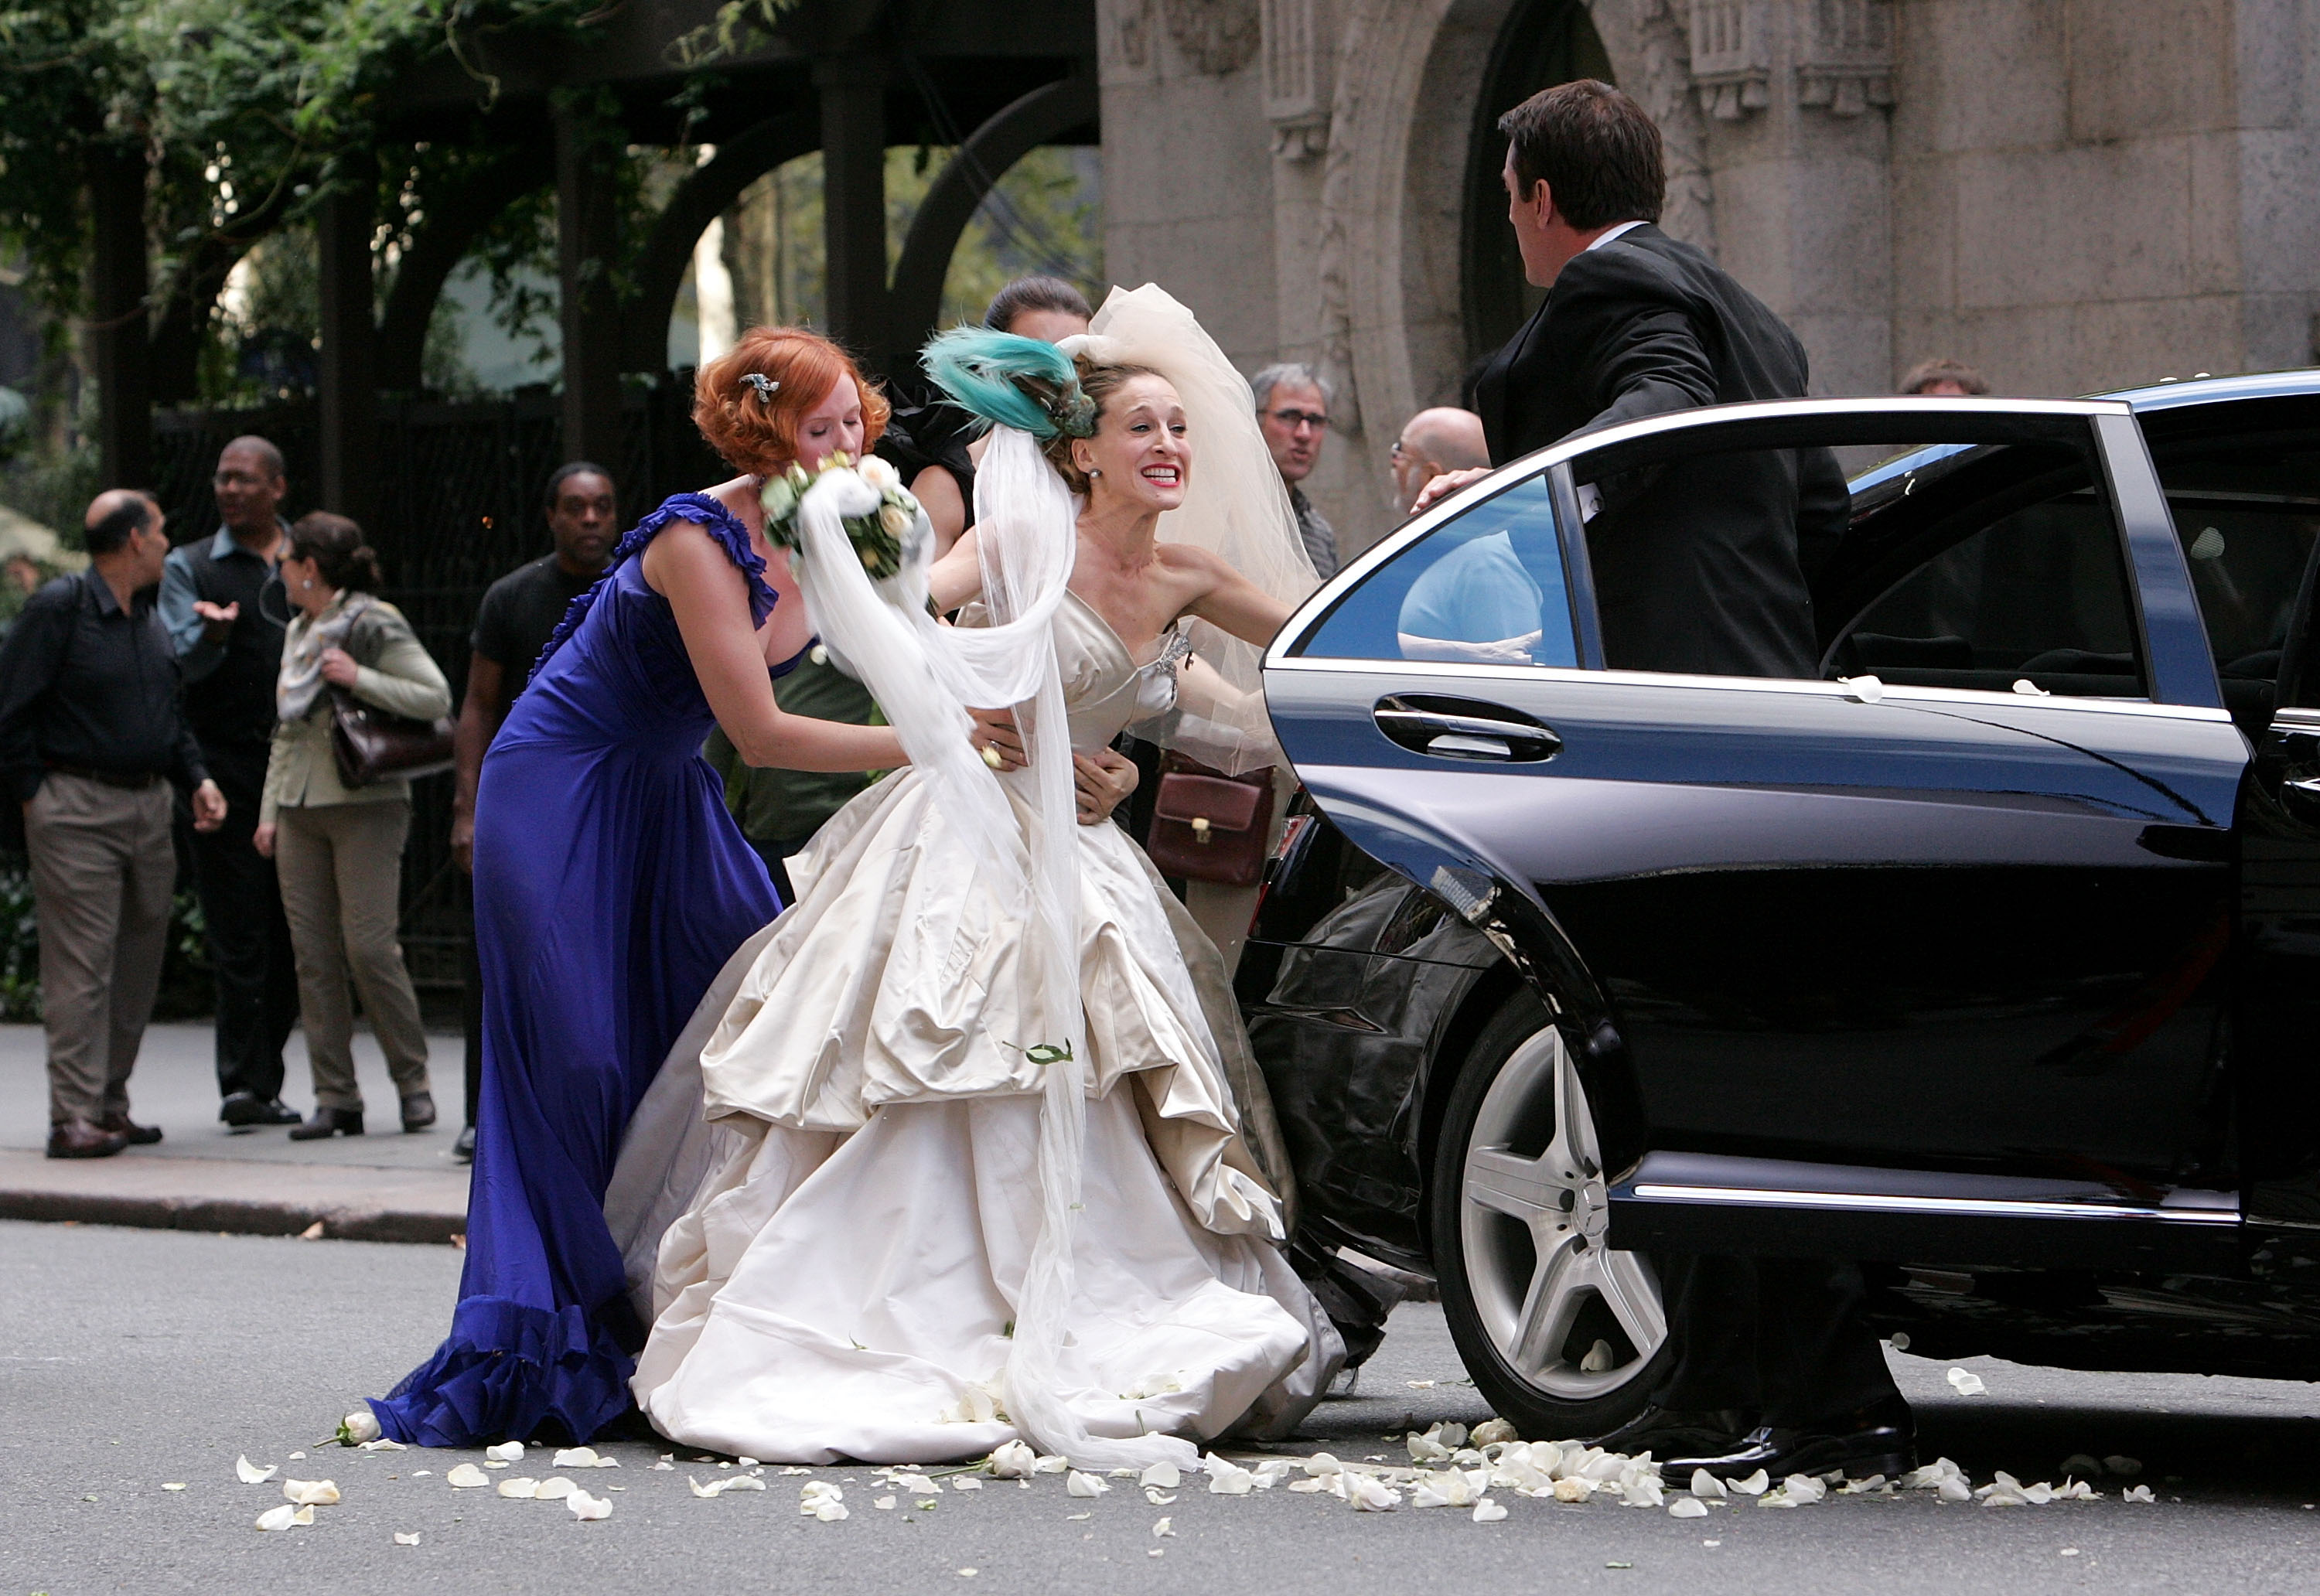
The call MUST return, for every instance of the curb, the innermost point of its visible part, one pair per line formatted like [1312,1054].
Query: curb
[228,1217]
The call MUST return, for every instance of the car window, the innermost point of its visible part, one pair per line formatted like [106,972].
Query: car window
[1998,569]
[1486,586]
[2247,513]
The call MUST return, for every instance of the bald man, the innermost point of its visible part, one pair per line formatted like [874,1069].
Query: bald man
[91,737]
[1432,441]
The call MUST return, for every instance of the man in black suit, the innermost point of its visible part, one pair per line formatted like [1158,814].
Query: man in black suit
[1701,570]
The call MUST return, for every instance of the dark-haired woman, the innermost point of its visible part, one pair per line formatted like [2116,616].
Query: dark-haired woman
[610,886]
[339,849]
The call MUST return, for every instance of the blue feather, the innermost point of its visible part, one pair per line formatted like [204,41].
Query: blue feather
[976,366]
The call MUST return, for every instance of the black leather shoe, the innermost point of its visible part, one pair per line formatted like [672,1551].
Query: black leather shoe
[81,1139]
[418,1110]
[243,1109]
[463,1149]
[1669,1432]
[1878,1440]
[140,1135]
[328,1123]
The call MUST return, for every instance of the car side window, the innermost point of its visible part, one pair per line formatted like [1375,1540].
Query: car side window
[2000,570]
[1484,587]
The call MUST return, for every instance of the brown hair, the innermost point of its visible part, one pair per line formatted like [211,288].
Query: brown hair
[1035,294]
[1099,383]
[336,546]
[1924,373]
[1596,150]
[754,431]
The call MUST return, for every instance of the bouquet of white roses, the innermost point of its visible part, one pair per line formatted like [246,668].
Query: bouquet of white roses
[877,537]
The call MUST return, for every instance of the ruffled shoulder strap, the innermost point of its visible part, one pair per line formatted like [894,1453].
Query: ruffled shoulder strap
[723,527]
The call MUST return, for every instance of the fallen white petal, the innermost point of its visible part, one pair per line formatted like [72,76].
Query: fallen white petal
[1487,1511]
[966,1483]
[402,1539]
[1367,1493]
[174,1485]
[884,1504]
[1687,1506]
[662,1468]
[311,1492]
[1157,1497]
[1052,1465]
[1804,1488]
[1165,1526]
[1704,1484]
[250,1474]
[1966,1382]
[1572,1489]
[586,1507]
[716,1488]
[1322,1463]
[1756,1484]
[746,1461]
[1165,1476]
[1861,689]
[1419,1384]
[1078,1484]
[1272,1472]
[283,1516]
[1077,1517]
[745,1483]
[523,1490]
[2137,1493]
[1312,1485]
[1227,1478]
[1599,1360]
[1492,1429]
[583,1457]
[1426,1448]
[831,1511]
[1955,1491]
[296,1457]
[467,1477]
[554,1489]
[421,1474]
[505,1452]
[381,1444]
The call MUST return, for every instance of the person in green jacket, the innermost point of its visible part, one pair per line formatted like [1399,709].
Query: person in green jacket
[779,810]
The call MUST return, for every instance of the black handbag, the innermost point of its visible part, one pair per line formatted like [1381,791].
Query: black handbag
[371,745]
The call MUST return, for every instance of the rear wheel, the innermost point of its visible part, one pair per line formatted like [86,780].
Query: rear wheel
[1562,1334]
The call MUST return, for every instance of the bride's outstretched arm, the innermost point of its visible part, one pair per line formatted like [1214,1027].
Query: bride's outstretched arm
[711,601]
[957,576]
[1231,603]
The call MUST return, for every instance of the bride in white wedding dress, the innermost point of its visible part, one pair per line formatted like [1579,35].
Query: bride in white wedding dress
[967,1164]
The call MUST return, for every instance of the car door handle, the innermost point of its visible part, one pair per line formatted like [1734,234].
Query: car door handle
[1462,729]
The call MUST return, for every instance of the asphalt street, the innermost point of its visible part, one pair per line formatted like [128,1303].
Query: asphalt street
[133,1360]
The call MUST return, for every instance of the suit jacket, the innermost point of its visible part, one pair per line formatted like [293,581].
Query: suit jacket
[1702,567]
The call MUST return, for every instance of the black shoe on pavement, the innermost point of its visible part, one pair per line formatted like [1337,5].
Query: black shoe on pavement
[140,1135]
[1669,1432]
[80,1138]
[418,1110]
[328,1123]
[1878,1440]
[463,1149]
[243,1109]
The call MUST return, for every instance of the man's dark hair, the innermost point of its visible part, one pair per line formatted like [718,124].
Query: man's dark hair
[1924,373]
[565,473]
[110,532]
[1035,294]
[267,455]
[1596,150]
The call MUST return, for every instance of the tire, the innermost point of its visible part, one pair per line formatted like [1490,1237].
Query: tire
[1518,1209]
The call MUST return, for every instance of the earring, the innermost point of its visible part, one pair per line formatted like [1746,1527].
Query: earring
[1093,472]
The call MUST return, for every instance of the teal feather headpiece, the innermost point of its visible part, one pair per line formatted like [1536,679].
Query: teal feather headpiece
[1016,382]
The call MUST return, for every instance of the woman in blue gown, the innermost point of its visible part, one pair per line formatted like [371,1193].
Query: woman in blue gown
[610,886]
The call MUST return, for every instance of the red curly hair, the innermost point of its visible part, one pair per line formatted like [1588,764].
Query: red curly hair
[760,434]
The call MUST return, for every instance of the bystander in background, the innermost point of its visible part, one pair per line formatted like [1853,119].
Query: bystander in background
[1944,379]
[1432,441]
[1292,410]
[92,729]
[222,600]
[339,847]
[519,614]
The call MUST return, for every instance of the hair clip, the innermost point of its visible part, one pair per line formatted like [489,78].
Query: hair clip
[766,385]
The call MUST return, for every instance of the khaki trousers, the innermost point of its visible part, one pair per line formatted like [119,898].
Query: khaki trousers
[342,869]
[102,868]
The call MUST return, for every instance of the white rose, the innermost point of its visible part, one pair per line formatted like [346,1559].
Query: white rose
[881,475]
[894,519]
[779,499]
[357,1427]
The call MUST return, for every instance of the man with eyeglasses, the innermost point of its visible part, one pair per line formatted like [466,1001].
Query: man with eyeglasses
[222,601]
[1292,410]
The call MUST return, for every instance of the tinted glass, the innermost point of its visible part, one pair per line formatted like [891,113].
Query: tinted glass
[2247,516]
[1484,587]
[2005,569]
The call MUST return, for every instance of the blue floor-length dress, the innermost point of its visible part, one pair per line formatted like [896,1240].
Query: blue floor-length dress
[610,886]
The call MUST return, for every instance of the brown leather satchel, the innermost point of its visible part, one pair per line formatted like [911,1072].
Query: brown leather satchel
[371,745]
[1208,826]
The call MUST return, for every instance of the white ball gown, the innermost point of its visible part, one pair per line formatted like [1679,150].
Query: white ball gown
[851,1161]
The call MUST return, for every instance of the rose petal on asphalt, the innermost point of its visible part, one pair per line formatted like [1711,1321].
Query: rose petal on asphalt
[402,1539]
[884,1504]
[1157,1497]
[1487,1511]
[1419,1384]
[251,1474]
[581,1457]
[1687,1506]
[296,1457]
[1966,1382]
[381,1444]
[586,1507]
[966,1483]
[1490,1430]
[467,1477]
[745,1483]
[1227,1478]
[2137,1493]
[311,1492]
[1367,1493]
[1756,1484]
[716,1488]
[1084,1485]
[1052,1465]
[279,1517]
[174,1485]
[554,1489]
[1704,1484]
[1572,1489]
[1165,1526]
[1165,1476]
[522,1490]
[505,1452]
[1955,1491]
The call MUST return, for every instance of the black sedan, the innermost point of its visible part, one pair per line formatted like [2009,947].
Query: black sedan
[1989,958]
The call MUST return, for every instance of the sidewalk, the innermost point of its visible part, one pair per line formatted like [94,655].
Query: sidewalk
[383,1186]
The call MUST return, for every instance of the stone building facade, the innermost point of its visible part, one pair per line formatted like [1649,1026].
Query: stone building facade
[2071,194]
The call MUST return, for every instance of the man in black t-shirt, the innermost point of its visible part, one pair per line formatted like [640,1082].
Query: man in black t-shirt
[519,613]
